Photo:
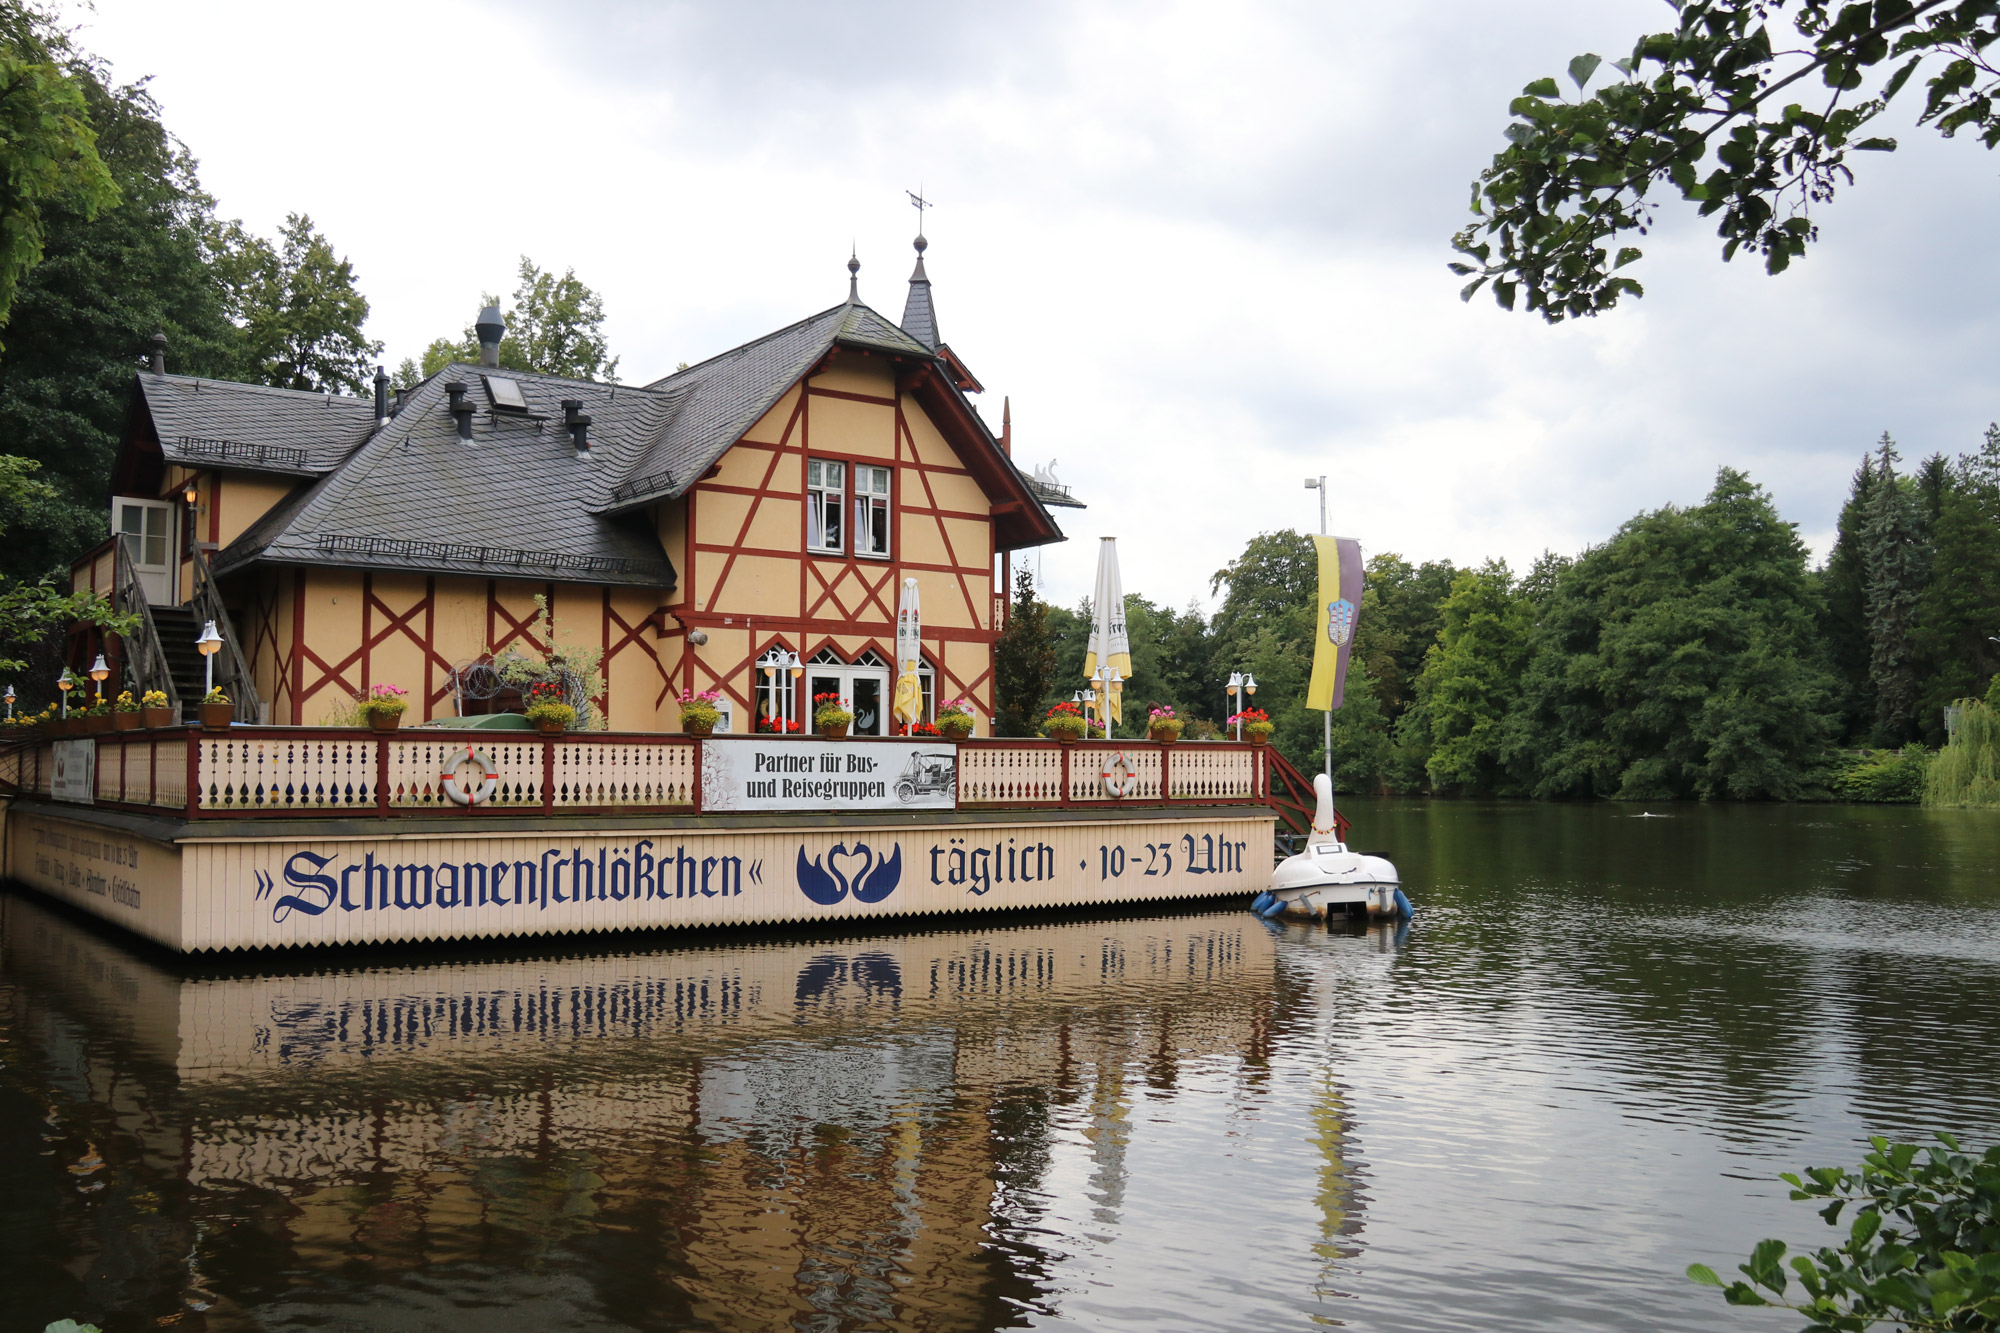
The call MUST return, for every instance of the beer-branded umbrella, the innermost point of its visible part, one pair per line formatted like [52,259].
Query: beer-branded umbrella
[909,704]
[1110,650]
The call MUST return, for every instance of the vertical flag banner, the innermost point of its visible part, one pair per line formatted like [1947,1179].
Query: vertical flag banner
[1109,644]
[1338,612]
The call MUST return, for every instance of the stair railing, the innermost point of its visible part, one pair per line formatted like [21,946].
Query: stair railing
[145,660]
[232,671]
[1292,796]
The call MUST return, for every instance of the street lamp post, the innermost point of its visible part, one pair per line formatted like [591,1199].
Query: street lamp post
[65,682]
[100,671]
[209,644]
[1240,687]
[10,702]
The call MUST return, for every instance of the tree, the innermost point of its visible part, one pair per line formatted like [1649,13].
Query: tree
[1724,111]
[83,321]
[1401,610]
[48,151]
[1471,681]
[31,612]
[1897,560]
[1677,659]
[555,327]
[1957,616]
[299,309]
[1843,603]
[1024,662]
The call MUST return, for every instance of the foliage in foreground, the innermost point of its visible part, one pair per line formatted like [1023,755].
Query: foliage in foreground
[1922,1250]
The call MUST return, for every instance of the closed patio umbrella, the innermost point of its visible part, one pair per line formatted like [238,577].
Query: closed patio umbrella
[1110,649]
[909,704]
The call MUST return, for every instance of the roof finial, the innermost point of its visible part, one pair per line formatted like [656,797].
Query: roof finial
[919,316]
[853,277]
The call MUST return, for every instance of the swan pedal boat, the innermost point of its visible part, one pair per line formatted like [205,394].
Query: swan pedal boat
[1328,879]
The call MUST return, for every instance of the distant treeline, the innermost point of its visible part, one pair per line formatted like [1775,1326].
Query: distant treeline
[1694,653]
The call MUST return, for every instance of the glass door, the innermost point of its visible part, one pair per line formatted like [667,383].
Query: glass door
[865,688]
[149,524]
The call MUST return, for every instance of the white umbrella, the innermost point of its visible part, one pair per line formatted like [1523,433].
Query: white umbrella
[1110,649]
[909,705]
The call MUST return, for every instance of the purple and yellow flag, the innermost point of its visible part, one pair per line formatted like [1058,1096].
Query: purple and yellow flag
[1338,612]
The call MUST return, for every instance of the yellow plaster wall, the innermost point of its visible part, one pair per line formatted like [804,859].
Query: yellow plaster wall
[969,542]
[631,676]
[778,525]
[842,426]
[930,445]
[670,523]
[241,500]
[955,491]
[745,465]
[850,373]
[459,630]
[399,659]
[333,630]
[760,585]
[770,427]
[921,542]
[719,516]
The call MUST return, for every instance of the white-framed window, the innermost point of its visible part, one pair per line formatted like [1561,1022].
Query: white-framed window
[826,488]
[871,511]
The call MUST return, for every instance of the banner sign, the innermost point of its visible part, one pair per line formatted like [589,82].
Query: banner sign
[1338,612]
[75,777]
[775,774]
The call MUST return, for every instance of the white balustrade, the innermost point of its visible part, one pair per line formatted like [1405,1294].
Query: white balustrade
[309,772]
[1212,773]
[1138,772]
[417,768]
[996,773]
[605,773]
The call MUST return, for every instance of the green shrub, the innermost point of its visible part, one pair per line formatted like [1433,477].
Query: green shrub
[1882,775]
[1922,1251]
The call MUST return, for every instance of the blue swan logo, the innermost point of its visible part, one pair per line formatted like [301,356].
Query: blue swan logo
[869,877]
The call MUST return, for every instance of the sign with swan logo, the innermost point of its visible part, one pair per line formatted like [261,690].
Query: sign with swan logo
[861,871]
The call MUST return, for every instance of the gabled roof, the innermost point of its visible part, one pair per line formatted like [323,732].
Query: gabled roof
[725,395]
[203,423]
[512,503]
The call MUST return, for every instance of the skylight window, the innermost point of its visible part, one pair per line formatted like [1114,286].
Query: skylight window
[505,393]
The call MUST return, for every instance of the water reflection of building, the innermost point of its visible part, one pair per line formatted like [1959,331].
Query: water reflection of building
[744,1136]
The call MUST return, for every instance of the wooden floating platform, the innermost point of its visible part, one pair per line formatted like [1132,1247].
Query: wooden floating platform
[283,837]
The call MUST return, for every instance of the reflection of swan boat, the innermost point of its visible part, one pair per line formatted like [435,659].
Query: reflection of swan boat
[1328,879]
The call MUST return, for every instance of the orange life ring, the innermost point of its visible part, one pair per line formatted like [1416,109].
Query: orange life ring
[1119,788]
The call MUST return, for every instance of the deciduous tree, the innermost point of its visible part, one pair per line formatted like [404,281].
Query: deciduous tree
[555,326]
[300,310]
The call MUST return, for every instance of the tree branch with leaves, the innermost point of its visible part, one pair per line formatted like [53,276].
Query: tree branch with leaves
[1707,110]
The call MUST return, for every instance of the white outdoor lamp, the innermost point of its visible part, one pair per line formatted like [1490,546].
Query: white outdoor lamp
[10,702]
[794,665]
[210,643]
[65,682]
[1249,684]
[1233,689]
[100,671]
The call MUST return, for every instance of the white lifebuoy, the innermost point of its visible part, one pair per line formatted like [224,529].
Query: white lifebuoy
[457,793]
[1118,787]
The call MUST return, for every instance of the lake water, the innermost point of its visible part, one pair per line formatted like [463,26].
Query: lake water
[1577,1071]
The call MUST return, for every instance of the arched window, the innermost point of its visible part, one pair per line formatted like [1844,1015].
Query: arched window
[776,687]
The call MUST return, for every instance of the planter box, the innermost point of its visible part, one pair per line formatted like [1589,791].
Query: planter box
[217,717]
[96,723]
[157,717]
[380,723]
[126,721]
[549,727]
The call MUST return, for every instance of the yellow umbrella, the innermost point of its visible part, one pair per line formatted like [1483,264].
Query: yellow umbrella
[909,701]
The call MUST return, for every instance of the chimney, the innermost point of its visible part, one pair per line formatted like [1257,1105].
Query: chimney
[577,424]
[491,329]
[159,351]
[381,395]
[460,409]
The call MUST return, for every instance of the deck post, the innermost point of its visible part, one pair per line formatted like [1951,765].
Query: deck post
[548,776]
[193,771]
[382,777]
[1063,794]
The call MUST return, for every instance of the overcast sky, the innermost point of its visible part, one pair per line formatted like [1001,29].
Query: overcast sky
[1202,247]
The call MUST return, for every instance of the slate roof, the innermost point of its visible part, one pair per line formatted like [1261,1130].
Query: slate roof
[513,503]
[919,315]
[724,396]
[205,423]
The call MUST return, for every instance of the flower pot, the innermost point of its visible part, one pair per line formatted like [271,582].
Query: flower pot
[1163,735]
[217,717]
[380,723]
[126,721]
[833,732]
[1257,737]
[697,728]
[157,717]
[1065,737]
[95,723]
[954,731]
[549,726]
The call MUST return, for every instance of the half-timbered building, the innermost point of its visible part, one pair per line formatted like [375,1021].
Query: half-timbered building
[764,505]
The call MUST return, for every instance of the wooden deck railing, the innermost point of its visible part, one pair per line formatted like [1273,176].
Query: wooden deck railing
[294,771]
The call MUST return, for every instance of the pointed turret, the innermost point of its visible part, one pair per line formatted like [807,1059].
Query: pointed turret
[919,316]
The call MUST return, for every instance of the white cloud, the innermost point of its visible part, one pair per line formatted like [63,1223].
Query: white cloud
[1201,247]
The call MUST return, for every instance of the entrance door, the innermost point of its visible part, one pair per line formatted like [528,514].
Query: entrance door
[866,689]
[150,525]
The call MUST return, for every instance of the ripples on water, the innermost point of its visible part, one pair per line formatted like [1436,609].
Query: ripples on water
[1579,1070]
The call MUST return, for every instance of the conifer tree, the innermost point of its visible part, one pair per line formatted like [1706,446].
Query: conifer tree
[1958,615]
[1024,661]
[1844,606]
[1897,563]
